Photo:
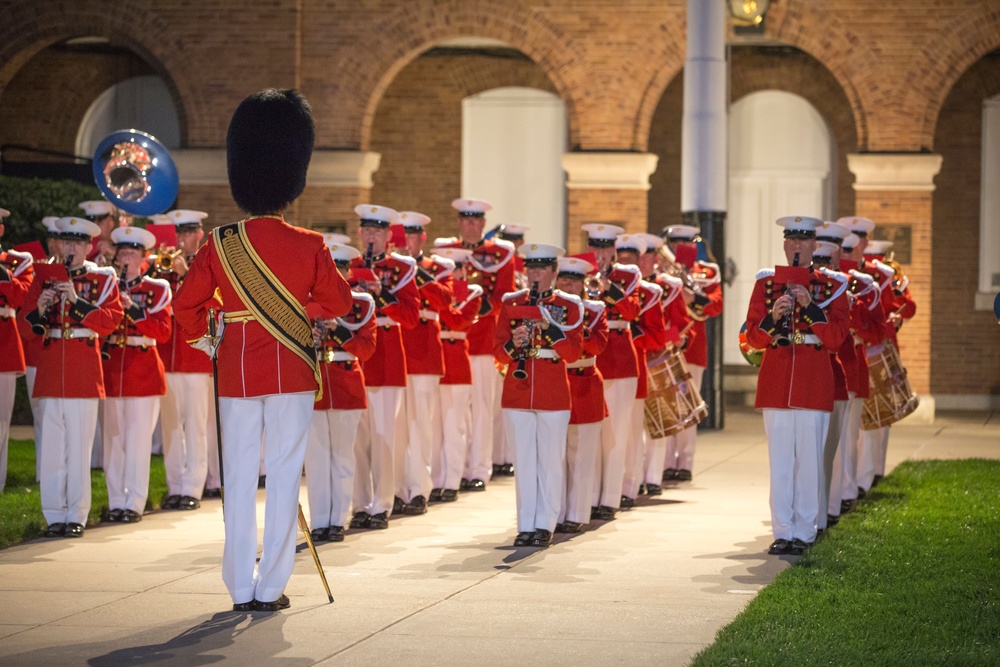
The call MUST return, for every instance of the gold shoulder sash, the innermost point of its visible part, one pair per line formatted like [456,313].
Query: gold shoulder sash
[277,309]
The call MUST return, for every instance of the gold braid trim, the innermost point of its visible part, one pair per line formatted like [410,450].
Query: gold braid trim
[277,309]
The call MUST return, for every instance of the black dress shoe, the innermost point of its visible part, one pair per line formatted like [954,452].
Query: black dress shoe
[542,538]
[464,485]
[683,475]
[595,513]
[569,527]
[435,496]
[359,520]
[189,503]
[280,603]
[449,495]
[378,521]
[507,469]
[397,505]
[627,503]
[668,474]
[523,539]
[654,490]
[875,480]
[415,507]
[605,513]
[497,470]
[780,548]
[115,515]
[169,503]
[799,547]
[211,493]
[262,482]
[832,519]
[54,530]
[131,516]
[477,485]
[320,534]
[244,606]
[846,506]
[335,533]
[74,530]
[861,493]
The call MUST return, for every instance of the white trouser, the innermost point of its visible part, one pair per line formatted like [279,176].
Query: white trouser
[843,483]
[36,417]
[422,439]
[656,454]
[67,438]
[795,441]
[284,420]
[583,451]
[871,454]
[830,448]
[214,478]
[98,458]
[681,446]
[374,451]
[501,452]
[184,418]
[330,466]
[479,463]
[8,385]
[539,443]
[635,453]
[447,467]
[128,438]
[619,395]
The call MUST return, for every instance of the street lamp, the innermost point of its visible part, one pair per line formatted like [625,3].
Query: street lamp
[747,12]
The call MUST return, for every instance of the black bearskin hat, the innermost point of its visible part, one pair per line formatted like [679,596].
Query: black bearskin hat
[268,147]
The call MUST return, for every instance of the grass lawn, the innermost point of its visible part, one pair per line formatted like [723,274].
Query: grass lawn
[911,577]
[21,507]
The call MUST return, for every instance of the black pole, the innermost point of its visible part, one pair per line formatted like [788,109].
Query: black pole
[712,225]
[218,416]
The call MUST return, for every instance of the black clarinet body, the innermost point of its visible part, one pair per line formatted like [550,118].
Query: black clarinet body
[522,352]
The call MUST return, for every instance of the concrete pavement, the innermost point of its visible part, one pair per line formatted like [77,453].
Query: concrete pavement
[653,586]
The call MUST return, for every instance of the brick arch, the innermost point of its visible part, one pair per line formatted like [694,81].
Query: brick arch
[34,26]
[962,42]
[667,55]
[395,41]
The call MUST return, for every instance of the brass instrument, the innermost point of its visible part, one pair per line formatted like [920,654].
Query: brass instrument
[527,350]
[672,267]
[135,172]
[899,280]
[786,330]
[163,259]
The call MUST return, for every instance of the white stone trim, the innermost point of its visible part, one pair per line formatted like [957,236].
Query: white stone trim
[968,401]
[611,171]
[912,172]
[984,301]
[207,166]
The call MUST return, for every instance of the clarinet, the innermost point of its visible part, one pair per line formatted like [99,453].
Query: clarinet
[522,352]
[784,337]
[369,255]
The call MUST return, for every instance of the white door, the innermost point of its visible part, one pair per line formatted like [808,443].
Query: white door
[513,140]
[781,162]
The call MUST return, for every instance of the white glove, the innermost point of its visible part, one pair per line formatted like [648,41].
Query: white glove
[204,344]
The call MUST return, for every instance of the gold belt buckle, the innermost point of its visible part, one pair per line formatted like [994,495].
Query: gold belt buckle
[533,352]
[67,334]
[798,338]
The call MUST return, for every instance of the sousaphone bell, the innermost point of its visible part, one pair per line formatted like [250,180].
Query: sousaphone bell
[135,172]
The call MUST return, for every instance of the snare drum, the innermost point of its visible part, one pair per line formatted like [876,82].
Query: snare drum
[891,397]
[672,404]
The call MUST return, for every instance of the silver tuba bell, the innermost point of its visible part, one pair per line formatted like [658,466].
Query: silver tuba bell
[135,172]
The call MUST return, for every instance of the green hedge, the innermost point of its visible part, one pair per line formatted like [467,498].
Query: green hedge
[31,199]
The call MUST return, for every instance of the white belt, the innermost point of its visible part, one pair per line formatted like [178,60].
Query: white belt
[133,341]
[7,311]
[583,363]
[453,335]
[76,332]
[618,324]
[384,321]
[429,315]
[341,355]
[546,353]
[810,339]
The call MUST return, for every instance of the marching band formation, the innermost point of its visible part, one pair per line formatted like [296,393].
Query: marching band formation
[402,373]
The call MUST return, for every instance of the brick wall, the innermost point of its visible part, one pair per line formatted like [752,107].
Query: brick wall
[966,357]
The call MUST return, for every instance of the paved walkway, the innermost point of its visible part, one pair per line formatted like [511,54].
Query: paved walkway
[445,588]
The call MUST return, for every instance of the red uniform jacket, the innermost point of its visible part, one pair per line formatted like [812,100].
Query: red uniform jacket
[491,266]
[352,335]
[705,274]
[866,327]
[251,361]
[648,332]
[136,370]
[455,322]
[177,355]
[619,360]
[586,386]
[422,343]
[398,307]
[70,367]
[799,375]
[15,279]
[547,385]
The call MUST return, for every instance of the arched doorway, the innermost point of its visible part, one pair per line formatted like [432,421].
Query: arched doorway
[782,161]
[143,103]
